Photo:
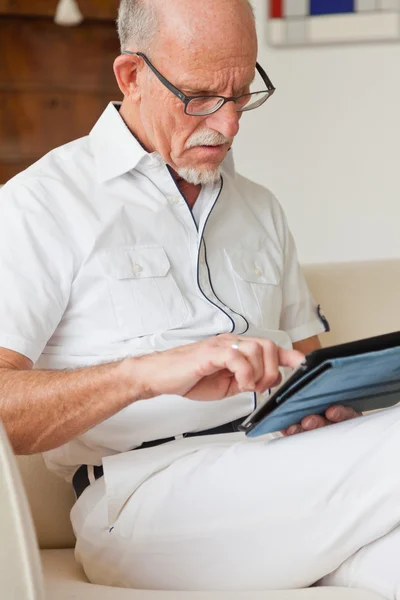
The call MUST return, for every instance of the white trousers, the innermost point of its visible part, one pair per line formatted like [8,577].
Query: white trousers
[322,506]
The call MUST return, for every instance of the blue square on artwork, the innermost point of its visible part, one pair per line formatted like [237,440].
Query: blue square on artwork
[328,7]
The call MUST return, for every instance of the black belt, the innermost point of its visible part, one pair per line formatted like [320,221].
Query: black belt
[82,478]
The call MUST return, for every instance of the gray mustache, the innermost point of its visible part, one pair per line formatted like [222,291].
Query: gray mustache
[208,139]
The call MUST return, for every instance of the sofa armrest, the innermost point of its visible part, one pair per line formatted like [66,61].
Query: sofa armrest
[20,568]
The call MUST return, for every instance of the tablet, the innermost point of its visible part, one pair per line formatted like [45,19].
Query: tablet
[364,375]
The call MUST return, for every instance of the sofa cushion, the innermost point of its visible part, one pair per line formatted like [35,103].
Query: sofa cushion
[359,299]
[51,499]
[20,576]
[65,580]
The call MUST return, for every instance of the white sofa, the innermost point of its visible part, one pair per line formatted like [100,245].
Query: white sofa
[359,299]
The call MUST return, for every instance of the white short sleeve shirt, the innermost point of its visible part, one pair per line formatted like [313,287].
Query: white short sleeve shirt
[101,258]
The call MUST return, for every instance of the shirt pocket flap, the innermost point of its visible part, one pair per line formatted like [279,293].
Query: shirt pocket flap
[135,262]
[254,266]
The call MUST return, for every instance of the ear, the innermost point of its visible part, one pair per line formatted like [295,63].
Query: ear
[126,70]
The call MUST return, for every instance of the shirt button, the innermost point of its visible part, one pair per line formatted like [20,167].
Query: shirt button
[175,200]
[258,272]
[137,269]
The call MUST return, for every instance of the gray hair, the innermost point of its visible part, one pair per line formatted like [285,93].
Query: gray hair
[138,22]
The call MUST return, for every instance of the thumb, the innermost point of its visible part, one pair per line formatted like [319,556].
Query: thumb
[290,358]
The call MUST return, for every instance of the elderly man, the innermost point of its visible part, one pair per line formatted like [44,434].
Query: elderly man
[157,292]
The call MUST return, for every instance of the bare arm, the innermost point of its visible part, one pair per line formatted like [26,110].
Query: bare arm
[308,345]
[42,410]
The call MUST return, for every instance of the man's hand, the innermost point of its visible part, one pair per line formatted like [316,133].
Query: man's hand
[334,414]
[215,368]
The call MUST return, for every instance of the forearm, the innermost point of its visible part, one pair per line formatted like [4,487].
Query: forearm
[42,410]
[46,409]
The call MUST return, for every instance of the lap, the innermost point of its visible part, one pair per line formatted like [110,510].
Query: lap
[254,515]
[375,568]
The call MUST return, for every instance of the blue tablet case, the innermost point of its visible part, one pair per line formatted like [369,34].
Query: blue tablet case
[365,382]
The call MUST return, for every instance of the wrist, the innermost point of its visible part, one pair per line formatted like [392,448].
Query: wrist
[136,381]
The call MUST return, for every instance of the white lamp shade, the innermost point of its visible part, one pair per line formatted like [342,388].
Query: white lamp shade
[68,13]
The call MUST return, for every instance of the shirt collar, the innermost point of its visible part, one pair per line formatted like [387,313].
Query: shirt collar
[116,150]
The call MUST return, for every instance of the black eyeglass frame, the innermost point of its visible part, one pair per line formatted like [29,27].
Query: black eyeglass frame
[187,99]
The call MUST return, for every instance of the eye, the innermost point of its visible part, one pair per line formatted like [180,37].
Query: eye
[198,94]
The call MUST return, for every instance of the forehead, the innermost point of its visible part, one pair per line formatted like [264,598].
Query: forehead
[207,69]
[211,48]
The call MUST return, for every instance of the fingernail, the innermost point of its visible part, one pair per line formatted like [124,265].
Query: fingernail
[336,414]
[311,423]
[250,387]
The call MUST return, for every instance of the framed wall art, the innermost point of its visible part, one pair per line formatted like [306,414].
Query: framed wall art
[311,22]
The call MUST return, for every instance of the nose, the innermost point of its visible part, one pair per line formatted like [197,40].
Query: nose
[225,120]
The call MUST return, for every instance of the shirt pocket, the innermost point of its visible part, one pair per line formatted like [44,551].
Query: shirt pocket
[144,293]
[257,279]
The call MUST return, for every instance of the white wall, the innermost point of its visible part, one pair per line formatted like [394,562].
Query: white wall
[328,145]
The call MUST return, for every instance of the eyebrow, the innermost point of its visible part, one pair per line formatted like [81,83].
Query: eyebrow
[191,91]
[202,92]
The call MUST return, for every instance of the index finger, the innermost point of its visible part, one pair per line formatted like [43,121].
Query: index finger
[290,358]
[286,358]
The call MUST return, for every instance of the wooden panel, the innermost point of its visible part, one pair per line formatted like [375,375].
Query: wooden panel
[91,9]
[32,123]
[54,84]
[39,54]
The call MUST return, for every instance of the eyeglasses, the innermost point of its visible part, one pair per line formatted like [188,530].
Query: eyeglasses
[200,106]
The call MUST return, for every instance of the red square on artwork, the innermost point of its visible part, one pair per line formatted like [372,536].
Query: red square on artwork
[275,9]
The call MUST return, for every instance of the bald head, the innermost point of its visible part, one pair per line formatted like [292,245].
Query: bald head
[144,24]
